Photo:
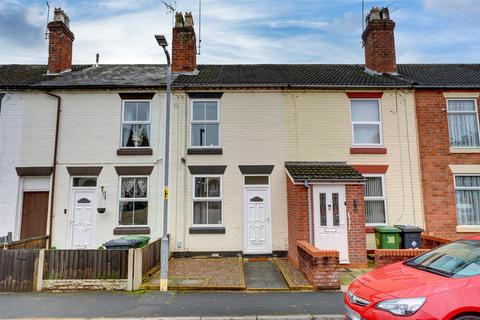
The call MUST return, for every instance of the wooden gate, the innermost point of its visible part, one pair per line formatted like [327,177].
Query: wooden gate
[17,269]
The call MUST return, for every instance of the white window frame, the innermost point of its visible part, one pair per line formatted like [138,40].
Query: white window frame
[192,122]
[379,123]
[147,199]
[384,198]
[206,199]
[455,188]
[463,112]
[123,122]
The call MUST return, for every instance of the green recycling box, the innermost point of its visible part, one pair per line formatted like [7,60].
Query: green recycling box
[387,237]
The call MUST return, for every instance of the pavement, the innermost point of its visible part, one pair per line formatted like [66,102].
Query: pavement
[194,305]
[263,275]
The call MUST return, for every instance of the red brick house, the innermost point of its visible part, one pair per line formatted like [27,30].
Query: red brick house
[447,99]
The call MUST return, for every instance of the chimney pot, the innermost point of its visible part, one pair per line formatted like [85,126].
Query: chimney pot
[188,20]
[179,20]
[59,15]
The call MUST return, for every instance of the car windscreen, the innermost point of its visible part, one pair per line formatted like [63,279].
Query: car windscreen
[457,259]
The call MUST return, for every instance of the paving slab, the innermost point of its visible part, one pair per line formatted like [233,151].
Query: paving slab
[263,275]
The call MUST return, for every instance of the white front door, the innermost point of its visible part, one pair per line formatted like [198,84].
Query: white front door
[83,218]
[257,220]
[330,219]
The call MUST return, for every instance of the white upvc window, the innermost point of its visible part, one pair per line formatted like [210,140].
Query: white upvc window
[375,200]
[366,122]
[136,123]
[205,123]
[463,126]
[467,196]
[133,201]
[207,200]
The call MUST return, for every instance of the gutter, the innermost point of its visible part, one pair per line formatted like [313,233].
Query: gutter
[54,166]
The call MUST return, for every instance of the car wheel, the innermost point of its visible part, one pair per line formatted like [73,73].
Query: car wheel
[468,317]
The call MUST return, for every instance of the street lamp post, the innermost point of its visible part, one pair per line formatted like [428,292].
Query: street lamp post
[162,41]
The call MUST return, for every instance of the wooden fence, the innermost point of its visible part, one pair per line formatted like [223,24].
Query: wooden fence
[151,258]
[18,270]
[30,243]
[431,242]
[85,264]
[28,270]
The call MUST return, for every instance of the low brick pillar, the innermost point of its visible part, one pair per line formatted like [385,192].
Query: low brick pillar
[384,257]
[320,267]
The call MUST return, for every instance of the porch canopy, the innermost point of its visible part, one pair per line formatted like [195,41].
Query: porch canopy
[322,172]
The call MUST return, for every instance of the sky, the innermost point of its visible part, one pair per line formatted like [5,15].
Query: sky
[243,31]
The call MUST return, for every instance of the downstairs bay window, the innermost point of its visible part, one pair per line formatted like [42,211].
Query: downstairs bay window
[207,201]
[133,201]
[375,208]
[467,196]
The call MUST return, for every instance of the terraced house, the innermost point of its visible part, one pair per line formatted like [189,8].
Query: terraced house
[262,156]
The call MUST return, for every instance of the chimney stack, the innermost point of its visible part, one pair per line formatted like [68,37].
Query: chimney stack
[60,43]
[184,44]
[379,42]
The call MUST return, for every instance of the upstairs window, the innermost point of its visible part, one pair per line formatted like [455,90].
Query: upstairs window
[366,122]
[375,200]
[205,130]
[463,123]
[136,124]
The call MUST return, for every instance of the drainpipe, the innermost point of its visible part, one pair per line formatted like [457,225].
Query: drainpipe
[54,168]
[310,238]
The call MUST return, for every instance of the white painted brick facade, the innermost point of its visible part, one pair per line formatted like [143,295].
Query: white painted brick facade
[272,127]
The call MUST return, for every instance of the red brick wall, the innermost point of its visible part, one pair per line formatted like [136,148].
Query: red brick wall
[298,227]
[437,179]
[320,267]
[357,242]
[379,43]
[184,50]
[60,47]
[384,257]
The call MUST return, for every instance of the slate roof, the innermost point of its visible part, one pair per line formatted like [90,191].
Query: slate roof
[287,75]
[442,75]
[244,76]
[112,75]
[85,76]
[18,75]
[322,171]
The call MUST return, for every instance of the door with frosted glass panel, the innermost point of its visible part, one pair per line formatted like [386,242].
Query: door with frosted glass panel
[330,223]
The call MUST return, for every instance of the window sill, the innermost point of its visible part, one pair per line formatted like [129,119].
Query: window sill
[368,150]
[135,152]
[464,150]
[204,151]
[467,228]
[207,230]
[131,230]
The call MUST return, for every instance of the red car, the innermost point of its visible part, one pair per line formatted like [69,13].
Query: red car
[441,284]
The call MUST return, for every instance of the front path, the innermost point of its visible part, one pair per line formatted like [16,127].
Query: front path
[169,304]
